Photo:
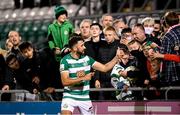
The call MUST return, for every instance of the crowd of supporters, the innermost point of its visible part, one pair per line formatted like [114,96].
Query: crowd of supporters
[150,57]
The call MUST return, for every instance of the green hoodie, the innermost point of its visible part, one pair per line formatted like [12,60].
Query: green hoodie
[58,35]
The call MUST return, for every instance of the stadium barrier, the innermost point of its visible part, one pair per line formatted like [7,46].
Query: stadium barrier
[166,89]
[163,107]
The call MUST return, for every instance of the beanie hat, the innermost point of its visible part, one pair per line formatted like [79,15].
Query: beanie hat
[59,10]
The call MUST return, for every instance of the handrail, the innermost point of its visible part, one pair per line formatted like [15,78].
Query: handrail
[166,89]
[170,88]
[13,91]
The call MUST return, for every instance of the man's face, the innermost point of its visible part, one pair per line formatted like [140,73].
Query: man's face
[14,64]
[120,25]
[109,36]
[107,21]
[28,53]
[62,18]
[85,29]
[95,31]
[15,38]
[157,27]
[79,47]
[138,34]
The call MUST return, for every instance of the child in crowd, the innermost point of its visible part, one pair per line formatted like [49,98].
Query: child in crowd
[124,75]
[17,78]
[153,67]
[8,45]
[31,64]
[126,36]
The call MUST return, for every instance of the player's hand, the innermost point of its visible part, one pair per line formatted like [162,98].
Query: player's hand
[97,84]
[146,82]
[49,90]
[80,73]
[123,73]
[36,80]
[157,55]
[119,53]
[57,51]
[87,77]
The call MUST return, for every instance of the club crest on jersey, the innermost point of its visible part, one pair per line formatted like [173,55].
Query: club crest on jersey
[61,67]
[65,32]
[65,106]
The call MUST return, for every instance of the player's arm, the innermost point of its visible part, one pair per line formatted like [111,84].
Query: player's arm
[67,81]
[108,66]
[105,67]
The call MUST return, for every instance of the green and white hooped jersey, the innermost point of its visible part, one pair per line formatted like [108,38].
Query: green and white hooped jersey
[78,91]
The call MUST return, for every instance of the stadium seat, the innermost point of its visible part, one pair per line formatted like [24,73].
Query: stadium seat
[9,4]
[9,26]
[50,13]
[72,9]
[37,25]
[41,13]
[19,26]
[14,15]
[32,14]
[2,25]
[83,11]
[23,14]
[66,1]
[6,15]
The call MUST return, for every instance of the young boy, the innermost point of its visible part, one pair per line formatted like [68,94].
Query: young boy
[41,66]
[17,78]
[124,75]
[59,31]
[31,64]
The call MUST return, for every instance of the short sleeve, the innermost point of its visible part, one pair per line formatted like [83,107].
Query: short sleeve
[63,65]
[91,60]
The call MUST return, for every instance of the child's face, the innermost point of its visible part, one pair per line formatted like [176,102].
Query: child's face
[9,45]
[109,36]
[28,53]
[134,46]
[126,38]
[62,18]
[14,64]
[125,59]
[155,65]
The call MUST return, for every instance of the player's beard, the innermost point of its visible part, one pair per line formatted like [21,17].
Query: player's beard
[80,53]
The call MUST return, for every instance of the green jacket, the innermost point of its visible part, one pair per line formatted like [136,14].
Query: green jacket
[58,35]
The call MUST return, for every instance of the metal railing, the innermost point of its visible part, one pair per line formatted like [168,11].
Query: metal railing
[13,91]
[166,89]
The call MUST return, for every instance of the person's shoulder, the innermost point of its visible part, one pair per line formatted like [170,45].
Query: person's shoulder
[67,22]
[175,27]
[173,30]
[68,56]
[54,23]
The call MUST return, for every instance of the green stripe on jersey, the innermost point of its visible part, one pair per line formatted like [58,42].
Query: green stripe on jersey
[86,92]
[68,63]
[79,99]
